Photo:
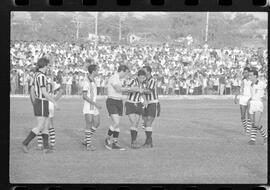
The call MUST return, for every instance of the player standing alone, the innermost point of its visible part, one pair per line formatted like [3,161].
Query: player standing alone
[152,109]
[245,94]
[90,108]
[41,106]
[256,107]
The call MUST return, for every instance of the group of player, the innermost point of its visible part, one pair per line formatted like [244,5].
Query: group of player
[250,99]
[141,103]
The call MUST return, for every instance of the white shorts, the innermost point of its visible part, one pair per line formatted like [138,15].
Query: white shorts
[243,100]
[255,106]
[51,110]
[86,110]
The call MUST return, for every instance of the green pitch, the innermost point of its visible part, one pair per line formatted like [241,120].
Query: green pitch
[195,141]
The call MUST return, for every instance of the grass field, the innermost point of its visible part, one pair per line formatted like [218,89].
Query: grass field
[195,141]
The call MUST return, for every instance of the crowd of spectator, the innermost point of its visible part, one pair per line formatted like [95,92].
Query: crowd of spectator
[179,70]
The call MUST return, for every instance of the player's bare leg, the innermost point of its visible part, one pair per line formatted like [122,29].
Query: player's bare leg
[115,133]
[243,110]
[34,132]
[52,133]
[143,122]
[148,131]
[260,127]
[256,121]
[134,121]
[89,131]
[45,136]
[95,125]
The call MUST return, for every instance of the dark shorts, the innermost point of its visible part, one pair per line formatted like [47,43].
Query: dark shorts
[215,88]
[152,110]
[114,106]
[134,108]
[41,108]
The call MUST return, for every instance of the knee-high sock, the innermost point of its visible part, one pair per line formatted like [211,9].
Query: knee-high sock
[253,133]
[39,140]
[52,136]
[263,132]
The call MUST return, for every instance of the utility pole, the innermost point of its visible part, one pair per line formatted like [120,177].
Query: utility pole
[96,29]
[77,24]
[206,28]
[120,28]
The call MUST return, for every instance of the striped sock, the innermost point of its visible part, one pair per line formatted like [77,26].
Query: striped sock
[52,136]
[253,133]
[263,132]
[244,123]
[88,137]
[40,140]
[249,125]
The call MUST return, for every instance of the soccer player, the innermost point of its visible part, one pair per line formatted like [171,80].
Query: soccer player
[41,106]
[244,96]
[91,107]
[114,104]
[152,108]
[56,92]
[256,107]
[134,107]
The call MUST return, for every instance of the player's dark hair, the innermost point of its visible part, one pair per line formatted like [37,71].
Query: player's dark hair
[92,68]
[247,69]
[141,72]
[148,68]
[255,72]
[42,62]
[123,68]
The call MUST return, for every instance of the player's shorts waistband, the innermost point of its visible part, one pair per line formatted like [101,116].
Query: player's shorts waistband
[256,100]
[153,102]
[43,99]
[115,98]
[133,102]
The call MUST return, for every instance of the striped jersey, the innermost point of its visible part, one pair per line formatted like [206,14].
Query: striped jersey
[40,81]
[134,97]
[151,85]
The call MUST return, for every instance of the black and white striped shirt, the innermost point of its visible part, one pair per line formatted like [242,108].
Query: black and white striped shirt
[40,81]
[151,85]
[134,97]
